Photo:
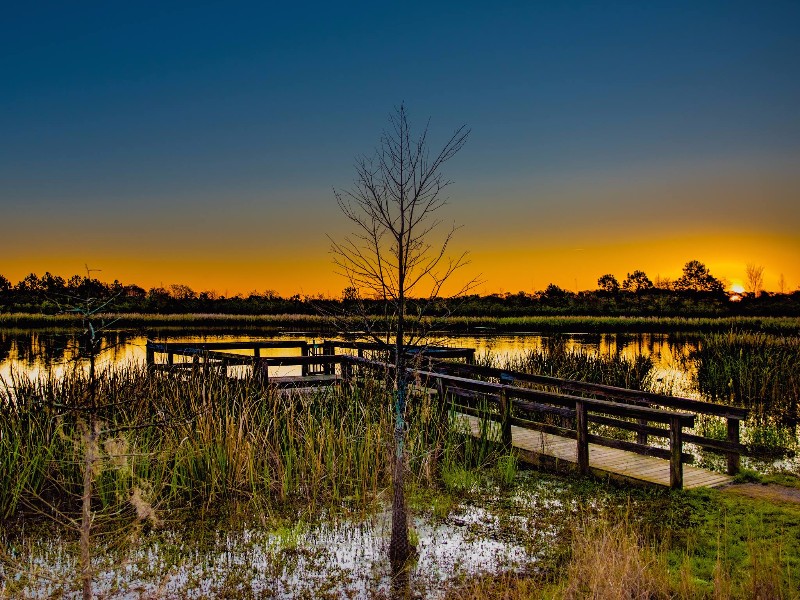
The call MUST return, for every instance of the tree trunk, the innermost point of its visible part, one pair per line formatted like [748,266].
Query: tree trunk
[90,456]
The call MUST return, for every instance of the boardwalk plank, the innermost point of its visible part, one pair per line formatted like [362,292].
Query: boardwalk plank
[602,459]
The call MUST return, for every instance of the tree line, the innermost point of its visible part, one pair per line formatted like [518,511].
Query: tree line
[695,293]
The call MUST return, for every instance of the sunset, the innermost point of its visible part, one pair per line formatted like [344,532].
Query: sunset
[202,148]
[400,300]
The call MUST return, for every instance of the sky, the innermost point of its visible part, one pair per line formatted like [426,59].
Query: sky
[200,143]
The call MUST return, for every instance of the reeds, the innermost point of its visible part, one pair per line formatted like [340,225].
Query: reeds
[753,370]
[556,360]
[199,440]
[454,324]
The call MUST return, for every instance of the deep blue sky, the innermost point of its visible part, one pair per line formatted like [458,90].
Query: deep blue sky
[216,131]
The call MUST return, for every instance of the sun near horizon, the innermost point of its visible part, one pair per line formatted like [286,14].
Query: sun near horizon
[603,141]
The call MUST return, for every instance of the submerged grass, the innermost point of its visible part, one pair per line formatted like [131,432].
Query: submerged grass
[753,370]
[556,360]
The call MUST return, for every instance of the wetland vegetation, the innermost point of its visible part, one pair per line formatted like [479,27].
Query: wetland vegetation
[219,487]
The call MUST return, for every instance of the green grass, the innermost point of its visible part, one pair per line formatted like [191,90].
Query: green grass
[198,441]
[457,324]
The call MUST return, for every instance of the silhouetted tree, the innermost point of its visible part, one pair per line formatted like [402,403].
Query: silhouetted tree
[636,282]
[608,283]
[754,275]
[395,253]
[697,278]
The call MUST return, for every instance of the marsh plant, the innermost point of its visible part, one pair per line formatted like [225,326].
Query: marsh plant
[754,370]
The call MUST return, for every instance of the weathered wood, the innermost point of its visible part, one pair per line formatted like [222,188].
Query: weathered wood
[505,419]
[150,356]
[607,391]
[629,426]
[676,454]
[719,446]
[641,434]
[637,448]
[582,429]
[733,438]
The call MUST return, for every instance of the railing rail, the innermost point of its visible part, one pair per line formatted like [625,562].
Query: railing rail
[644,413]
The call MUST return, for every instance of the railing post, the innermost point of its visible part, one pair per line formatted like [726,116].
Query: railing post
[170,358]
[304,352]
[582,431]
[150,356]
[641,436]
[347,369]
[733,437]
[327,348]
[505,416]
[676,453]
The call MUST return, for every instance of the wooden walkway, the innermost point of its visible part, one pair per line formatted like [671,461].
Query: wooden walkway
[550,422]
[545,449]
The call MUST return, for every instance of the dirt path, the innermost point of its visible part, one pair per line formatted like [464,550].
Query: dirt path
[772,492]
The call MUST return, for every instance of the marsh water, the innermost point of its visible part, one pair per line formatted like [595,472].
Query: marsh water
[487,530]
[37,352]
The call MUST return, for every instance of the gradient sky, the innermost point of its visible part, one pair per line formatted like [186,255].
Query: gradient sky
[199,143]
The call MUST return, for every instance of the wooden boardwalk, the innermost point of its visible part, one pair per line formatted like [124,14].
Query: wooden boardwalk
[545,449]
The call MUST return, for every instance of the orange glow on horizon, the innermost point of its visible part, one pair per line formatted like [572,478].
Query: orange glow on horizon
[503,266]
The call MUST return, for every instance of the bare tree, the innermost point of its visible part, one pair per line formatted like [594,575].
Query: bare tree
[755,278]
[399,251]
[782,284]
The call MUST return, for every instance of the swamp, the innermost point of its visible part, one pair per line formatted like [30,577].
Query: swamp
[209,486]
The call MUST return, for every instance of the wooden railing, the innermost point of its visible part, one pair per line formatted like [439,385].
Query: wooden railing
[513,401]
[568,411]
[731,447]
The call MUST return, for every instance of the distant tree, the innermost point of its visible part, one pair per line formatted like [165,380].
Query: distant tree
[180,291]
[134,291]
[608,283]
[350,294]
[663,283]
[782,284]
[637,281]
[30,284]
[754,276]
[697,278]
[553,291]
[5,284]
[52,284]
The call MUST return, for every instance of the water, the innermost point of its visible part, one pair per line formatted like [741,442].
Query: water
[490,533]
[35,352]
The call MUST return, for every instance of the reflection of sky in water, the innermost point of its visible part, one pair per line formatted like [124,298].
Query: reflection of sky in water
[35,352]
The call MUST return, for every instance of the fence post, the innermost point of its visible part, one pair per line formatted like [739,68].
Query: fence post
[347,369]
[676,453]
[641,436]
[582,436]
[733,436]
[505,416]
[304,352]
[327,349]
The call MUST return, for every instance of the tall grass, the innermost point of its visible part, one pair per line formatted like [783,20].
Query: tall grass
[753,370]
[172,442]
[556,360]
[564,323]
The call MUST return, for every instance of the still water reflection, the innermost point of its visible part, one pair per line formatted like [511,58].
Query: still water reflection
[35,353]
